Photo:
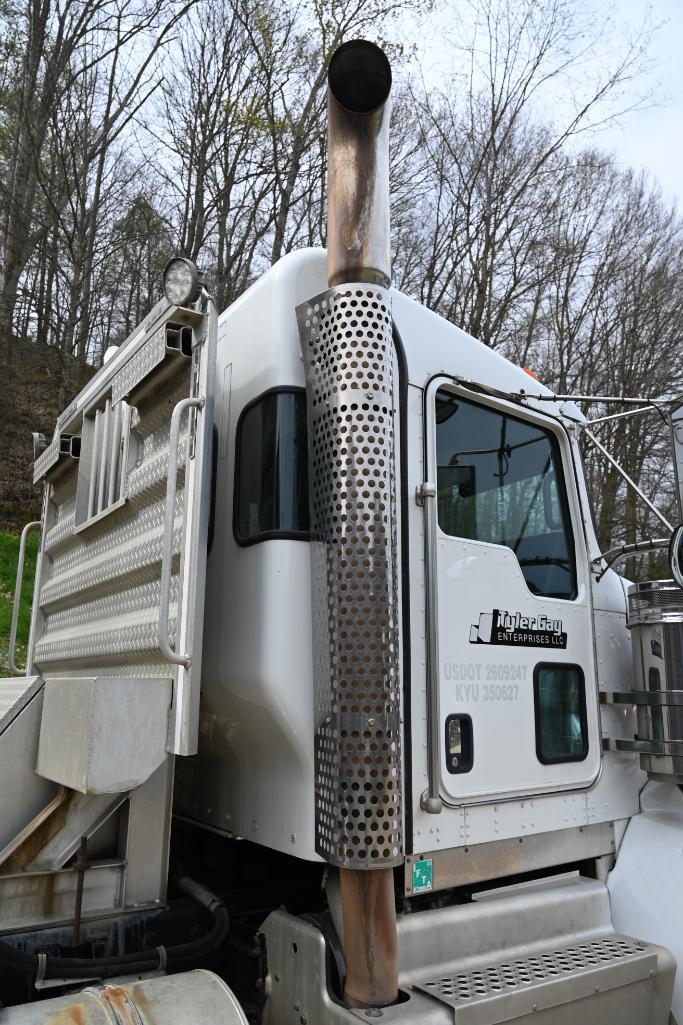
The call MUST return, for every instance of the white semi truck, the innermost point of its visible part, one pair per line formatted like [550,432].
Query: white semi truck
[333,708]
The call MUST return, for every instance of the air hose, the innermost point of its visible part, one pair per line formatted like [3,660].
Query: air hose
[45,966]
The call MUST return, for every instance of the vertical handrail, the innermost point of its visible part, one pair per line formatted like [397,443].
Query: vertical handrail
[28,529]
[167,543]
[430,800]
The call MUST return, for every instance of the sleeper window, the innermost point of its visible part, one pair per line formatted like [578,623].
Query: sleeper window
[271,484]
[499,479]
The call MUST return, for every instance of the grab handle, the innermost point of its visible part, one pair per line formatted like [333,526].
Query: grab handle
[28,529]
[430,800]
[165,646]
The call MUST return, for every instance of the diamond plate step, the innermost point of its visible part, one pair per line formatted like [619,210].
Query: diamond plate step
[15,694]
[503,992]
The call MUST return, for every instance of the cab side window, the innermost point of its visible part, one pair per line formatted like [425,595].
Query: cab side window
[499,479]
[271,469]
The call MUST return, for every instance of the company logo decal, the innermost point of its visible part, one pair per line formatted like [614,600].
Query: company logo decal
[501,627]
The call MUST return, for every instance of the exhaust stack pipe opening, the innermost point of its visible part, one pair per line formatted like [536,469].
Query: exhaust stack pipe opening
[358,241]
[359,76]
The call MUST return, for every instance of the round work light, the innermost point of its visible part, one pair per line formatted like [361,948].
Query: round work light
[181,281]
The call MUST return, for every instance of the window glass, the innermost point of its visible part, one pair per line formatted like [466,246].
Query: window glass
[561,732]
[499,479]
[272,468]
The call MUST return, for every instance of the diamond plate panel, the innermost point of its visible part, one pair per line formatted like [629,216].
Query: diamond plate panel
[129,603]
[15,692]
[59,536]
[99,600]
[140,365]
[100,597]
[348,354]
[110,571]
[46,460]
[109,643]
[66,415]
[146,501]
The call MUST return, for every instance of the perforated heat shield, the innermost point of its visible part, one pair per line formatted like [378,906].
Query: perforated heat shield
[346,336]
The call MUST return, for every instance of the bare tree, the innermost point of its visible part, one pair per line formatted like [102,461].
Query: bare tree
[68,50]
[495,161]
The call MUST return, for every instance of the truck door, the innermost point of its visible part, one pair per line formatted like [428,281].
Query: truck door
[517,704]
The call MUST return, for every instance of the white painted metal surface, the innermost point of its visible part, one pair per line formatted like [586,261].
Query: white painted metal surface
[254,776]
[432,345]
[646,885]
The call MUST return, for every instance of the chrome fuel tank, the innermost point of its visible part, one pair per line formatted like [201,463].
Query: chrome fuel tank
[655,616]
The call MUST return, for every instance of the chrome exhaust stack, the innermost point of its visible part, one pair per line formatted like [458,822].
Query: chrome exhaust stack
[346,335]
[358,238]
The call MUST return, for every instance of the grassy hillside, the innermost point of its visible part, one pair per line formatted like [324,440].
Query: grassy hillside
[9,555]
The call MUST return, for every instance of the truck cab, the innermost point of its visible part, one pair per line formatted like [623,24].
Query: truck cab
[333,707]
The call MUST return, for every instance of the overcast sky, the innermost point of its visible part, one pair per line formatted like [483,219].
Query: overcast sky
[653,138]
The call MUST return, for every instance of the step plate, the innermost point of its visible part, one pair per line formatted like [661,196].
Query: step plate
[502,992]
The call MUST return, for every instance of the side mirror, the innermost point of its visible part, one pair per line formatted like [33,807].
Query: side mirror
[676,555]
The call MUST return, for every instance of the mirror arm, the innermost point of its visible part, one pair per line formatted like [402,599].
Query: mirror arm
[621,551]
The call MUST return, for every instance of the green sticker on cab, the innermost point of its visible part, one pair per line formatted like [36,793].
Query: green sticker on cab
[422,875]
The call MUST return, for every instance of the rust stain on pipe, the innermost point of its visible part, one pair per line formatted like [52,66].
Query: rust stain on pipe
[73,1015]
[123,1004]
[358,244]
[352,245]
[370,939]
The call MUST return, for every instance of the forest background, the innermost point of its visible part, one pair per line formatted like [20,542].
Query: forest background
[132,130]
